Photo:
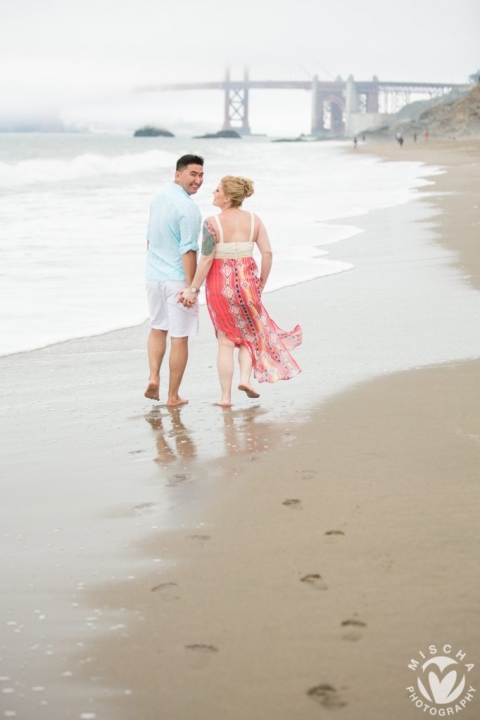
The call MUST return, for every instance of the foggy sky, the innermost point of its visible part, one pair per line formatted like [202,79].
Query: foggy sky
[73,55]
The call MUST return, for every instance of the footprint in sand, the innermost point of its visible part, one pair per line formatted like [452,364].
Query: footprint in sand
[315,580]
[167,591]
[308,474]
[145,508]
[327,695]
[178,478]
[202,655]
[136,452]
[199,537]
[333,536]
[354,629]
[386,562]
[293,503]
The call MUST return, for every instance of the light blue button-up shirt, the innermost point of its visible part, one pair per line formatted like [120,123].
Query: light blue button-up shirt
[173,230]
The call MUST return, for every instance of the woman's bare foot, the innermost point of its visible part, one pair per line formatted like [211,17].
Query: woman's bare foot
[249,390]
[224,404]
[153,391]
[175,402]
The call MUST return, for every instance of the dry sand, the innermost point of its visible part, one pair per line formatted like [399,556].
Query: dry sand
[304,566]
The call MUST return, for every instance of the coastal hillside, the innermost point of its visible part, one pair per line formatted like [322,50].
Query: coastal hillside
[459,117]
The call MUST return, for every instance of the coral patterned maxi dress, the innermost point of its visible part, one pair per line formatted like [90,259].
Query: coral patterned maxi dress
[235,305]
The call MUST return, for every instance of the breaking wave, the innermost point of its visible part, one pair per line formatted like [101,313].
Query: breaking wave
[31,172]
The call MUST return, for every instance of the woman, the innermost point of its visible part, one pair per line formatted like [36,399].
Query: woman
[234,294]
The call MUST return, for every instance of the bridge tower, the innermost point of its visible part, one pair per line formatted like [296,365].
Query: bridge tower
[327,105]
[236,104]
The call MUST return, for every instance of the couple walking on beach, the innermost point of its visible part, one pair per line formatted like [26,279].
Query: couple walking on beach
[233,286]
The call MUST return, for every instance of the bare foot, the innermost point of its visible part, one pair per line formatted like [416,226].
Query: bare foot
[223,404]
[249,390]
[177,402]
[153,391]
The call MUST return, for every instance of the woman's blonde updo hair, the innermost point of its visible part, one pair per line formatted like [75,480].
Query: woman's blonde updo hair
[237,189]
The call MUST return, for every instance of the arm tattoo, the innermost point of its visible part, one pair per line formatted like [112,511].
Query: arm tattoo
[208,240]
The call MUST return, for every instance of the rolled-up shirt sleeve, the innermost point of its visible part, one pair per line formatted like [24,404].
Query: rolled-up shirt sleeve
[189,225]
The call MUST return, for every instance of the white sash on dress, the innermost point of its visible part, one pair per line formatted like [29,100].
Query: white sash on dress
[233,250]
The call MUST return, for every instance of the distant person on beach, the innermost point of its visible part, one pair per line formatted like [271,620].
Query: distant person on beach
[172,244]
[414,137]
[234,294]
[355,141]
[399,138]
[426,135]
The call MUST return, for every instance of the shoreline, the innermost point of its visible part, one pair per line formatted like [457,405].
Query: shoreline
[271,562]
[322,266]
[459,184]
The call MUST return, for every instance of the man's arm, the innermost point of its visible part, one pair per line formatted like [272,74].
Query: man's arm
[189,262]
[189,223]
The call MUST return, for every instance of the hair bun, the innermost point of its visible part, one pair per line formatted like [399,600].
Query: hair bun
[248,187]
[237,188]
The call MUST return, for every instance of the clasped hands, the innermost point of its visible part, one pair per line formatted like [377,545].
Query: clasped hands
[187,298]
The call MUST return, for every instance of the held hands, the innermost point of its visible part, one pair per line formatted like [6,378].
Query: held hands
[187,298]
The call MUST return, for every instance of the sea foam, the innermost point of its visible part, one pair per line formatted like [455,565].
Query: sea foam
[74,217]
[29,172]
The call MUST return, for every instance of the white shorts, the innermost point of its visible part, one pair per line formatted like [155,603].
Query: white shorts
[166,313]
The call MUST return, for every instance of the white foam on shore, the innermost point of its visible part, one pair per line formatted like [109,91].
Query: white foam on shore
[73,250]
[32,172]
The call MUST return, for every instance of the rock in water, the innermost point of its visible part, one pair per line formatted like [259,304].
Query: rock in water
[219,134]
[152,131]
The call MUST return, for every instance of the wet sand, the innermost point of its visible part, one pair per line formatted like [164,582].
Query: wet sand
[460,204]
[270,561]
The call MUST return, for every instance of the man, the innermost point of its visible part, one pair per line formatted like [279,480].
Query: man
[172,244]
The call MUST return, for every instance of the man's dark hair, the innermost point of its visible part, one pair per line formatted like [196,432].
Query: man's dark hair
[189,160]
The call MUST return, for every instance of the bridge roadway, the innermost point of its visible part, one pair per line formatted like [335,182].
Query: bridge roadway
[327,85]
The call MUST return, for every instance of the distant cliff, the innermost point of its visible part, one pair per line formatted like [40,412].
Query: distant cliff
[454,117]
[460,118]
[46,121]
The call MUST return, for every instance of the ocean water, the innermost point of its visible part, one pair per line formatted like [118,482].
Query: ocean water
[74,210]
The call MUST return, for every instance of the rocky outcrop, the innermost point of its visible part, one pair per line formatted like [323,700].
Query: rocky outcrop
[460,118]
[300,138]
[454,117]
[219,134]
[152,131]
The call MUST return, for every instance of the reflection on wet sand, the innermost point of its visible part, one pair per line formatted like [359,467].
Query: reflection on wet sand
[173,441]
[240,432]
[227,431]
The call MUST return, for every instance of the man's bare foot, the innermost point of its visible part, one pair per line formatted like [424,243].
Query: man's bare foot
[249,390]
[175,403]
[223,404]
[153,391]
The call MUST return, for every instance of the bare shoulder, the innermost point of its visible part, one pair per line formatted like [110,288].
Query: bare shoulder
[209,223]
[258,224]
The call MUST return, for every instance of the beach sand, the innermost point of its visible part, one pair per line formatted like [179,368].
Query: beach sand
[284,559]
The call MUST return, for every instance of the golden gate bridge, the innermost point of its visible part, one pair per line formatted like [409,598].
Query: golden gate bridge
[339,107]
